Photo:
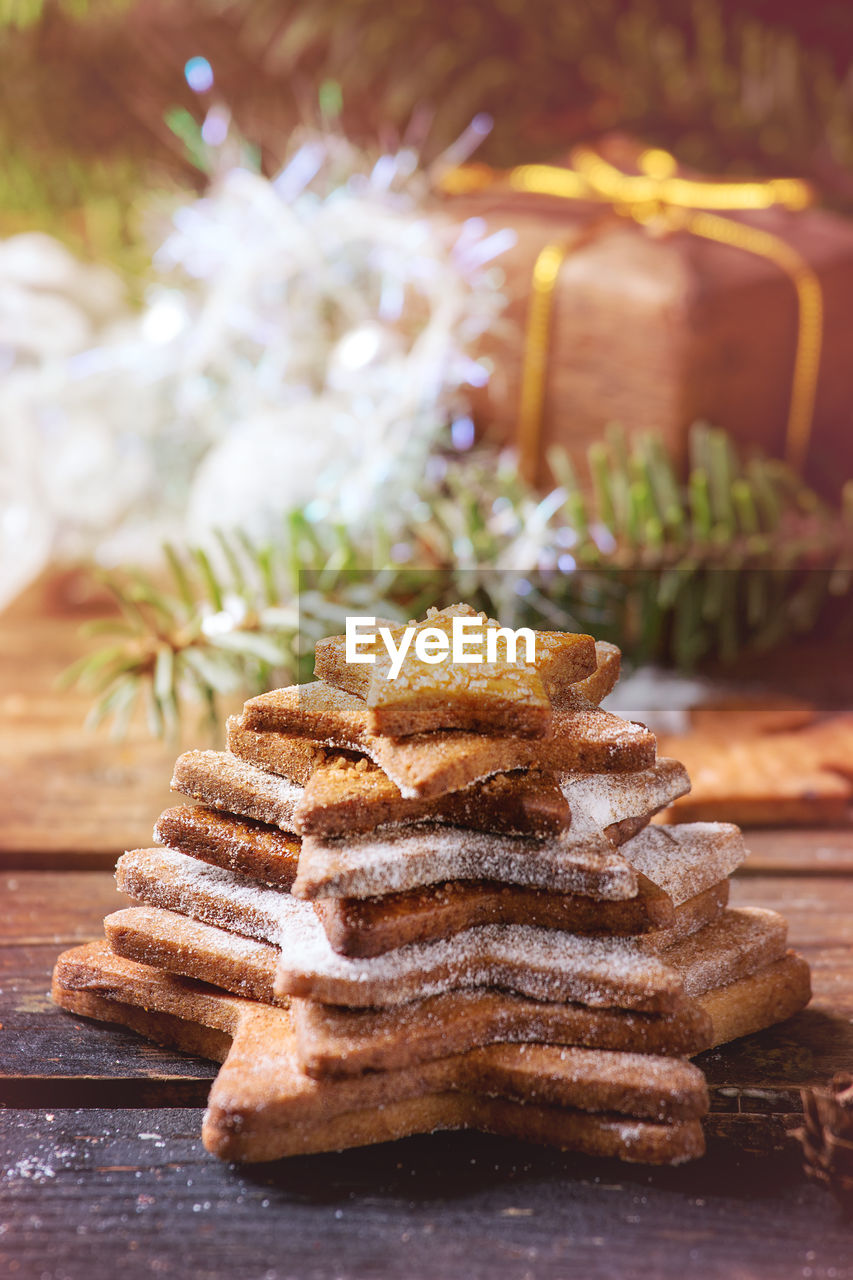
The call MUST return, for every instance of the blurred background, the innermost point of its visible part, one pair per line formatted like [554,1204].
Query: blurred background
[305,307]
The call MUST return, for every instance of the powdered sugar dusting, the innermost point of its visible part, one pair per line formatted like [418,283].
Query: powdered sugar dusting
[542,963]
[685,860]
[400,859]
[597,800]
[203,892]
[183,932]
[736,945]
[224,781]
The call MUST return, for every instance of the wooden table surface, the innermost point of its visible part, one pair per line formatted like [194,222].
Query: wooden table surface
[105,1175]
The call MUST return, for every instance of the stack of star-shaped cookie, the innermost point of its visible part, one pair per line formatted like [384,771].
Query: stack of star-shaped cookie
[437,901]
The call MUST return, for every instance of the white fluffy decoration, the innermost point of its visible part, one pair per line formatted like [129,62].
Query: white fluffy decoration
[305,341]
[289,449]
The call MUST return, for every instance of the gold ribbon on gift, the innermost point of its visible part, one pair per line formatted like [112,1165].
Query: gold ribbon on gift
[662,201]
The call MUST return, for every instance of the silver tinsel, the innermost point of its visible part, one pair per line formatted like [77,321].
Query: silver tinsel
[304,342]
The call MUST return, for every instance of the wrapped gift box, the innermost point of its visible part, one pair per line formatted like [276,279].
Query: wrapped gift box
[654,328]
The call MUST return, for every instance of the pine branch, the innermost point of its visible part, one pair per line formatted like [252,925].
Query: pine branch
[741,555]
[210,626]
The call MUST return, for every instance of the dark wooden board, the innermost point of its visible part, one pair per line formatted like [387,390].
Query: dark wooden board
[96,1194]
[48,1056]
[122,1187]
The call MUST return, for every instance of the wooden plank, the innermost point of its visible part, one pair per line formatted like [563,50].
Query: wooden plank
[70,797]
[819,909]
[47,1054]
[101,1193]
[56,908]
[764,1073]
[50,1057]
[807,851]
[67,802]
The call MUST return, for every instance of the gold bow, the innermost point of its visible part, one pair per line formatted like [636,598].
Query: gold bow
[657,197]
